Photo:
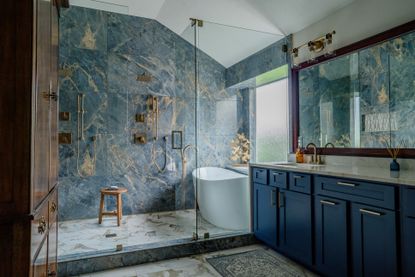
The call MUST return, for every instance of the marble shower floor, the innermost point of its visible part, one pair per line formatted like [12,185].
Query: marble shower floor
[189,266]
[83,237]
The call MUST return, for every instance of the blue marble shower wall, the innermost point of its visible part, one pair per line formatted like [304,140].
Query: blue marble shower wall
[101,56]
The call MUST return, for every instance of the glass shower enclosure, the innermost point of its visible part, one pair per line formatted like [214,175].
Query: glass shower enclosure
[161,114]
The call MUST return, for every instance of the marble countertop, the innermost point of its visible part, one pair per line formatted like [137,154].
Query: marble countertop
[378,174]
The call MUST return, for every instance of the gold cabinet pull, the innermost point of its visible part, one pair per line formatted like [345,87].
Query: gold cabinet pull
[364,211]
[298,177]
[53,95]
[53,207]
[41,228]
[346,184]
[325,202]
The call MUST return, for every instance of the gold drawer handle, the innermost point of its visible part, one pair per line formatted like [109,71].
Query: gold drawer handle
[53,207]
[41,228]
[364,211]
[346,184]
[298,177]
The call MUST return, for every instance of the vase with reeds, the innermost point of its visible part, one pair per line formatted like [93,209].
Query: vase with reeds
[394,152]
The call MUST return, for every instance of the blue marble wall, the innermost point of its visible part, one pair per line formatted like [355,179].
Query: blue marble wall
[101,55]
[260,62]
[381,78]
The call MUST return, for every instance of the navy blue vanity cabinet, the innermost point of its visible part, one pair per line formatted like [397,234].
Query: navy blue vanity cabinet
[295,229]
[265,213]
[331,236]
[408,231]
[374,249]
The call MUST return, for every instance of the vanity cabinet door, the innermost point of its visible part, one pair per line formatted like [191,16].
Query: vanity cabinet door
[265,214]
[295,225]
[373,241]
[331,236]
[408,246]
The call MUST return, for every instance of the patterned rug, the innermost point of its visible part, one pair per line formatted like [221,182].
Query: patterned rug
[256,263]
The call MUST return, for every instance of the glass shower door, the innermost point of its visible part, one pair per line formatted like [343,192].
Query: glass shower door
[229,67]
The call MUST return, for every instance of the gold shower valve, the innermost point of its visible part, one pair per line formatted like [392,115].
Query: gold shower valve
[140,138]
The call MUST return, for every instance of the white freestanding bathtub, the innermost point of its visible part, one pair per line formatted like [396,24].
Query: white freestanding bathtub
[223,197]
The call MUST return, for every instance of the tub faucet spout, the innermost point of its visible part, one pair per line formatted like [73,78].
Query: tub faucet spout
[189,146]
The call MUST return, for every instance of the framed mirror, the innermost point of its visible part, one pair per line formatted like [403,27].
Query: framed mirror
[361,100]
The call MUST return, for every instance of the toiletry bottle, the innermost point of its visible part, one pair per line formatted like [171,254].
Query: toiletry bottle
[299,156]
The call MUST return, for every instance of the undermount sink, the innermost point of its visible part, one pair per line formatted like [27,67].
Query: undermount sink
[301,165]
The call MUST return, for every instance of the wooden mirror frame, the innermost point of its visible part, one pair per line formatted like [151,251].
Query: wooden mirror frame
[365,43]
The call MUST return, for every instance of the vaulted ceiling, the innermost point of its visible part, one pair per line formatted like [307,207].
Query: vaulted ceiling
[255,23]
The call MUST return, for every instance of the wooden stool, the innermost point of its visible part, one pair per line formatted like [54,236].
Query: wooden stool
[118,211]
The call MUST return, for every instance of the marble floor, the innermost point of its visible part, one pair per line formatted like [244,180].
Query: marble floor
[83,237]
[190,266]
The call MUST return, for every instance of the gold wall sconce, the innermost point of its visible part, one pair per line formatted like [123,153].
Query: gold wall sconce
[316,45]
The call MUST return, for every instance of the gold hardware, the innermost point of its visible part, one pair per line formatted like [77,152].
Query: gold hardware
[52,95]
[140,138]
[196,21]
[41,228]
[316,45]
[65,138]
[140,118]
[298,177]
[325,202]
[364,211]
[53,207]
[64,116]
[346,184]
[144,78]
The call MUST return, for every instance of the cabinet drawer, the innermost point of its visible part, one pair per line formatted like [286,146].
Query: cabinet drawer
[278,178]
[39,227]
[408,201]
[260,175]
[300,182]
[357,191]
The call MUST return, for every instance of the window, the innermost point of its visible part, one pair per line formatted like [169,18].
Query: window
[272,127]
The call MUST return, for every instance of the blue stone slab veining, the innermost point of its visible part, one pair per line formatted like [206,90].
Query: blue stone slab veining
[101,54]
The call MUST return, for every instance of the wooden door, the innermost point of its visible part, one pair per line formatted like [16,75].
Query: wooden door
[331,236]
[295,225]
[41,130]
[265,214]
[373,241]
[54,89]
